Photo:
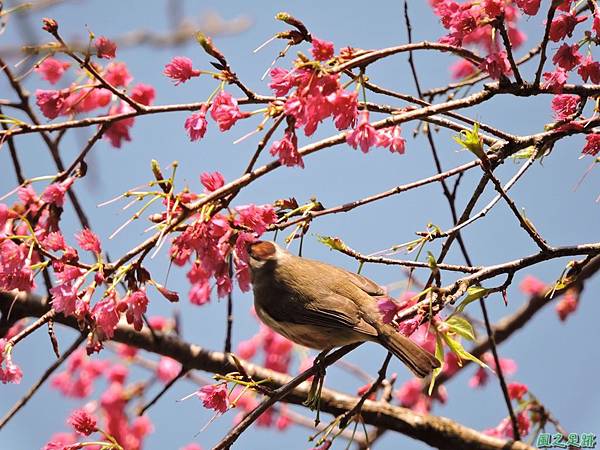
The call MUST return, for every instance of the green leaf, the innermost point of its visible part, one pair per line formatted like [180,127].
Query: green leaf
[332,242]
[471,140]
[473,293]
[461,326]
[439,354]
[431,261]
[525,153]
[458,349]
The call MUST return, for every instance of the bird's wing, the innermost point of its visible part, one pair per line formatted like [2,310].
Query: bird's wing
[366,285]
[339,312]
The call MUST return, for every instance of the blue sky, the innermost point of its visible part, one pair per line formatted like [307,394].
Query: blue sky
[556,360]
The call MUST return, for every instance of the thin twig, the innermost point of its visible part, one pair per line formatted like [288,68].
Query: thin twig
[182,373]
[544,44]
[34,388]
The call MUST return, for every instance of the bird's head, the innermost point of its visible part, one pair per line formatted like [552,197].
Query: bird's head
[264,254]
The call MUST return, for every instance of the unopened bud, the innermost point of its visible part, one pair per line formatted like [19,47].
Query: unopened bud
[50,25]
[208,46]
[172,296]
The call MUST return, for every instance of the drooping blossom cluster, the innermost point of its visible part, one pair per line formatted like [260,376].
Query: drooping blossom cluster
[277,350]
[366,136]
[566,304]
[471,23]
[525,414]
[90,94]
[109,416]
[481,377]
[9,371]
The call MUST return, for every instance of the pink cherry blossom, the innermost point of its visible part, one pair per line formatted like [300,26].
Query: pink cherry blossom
[167,369]
[364,135]
[322,50]
[565,105]
[247,349]
[9,371]
[496,65]
[212,180]
[592,144]
[55,192]
[106,316]
[554,81]
[345,108]
[78,378]
[480,379]
[516,391]
[410,395]
[51,103]
[567,56]
[64,298]
[563,26]
[87,99]
[15,272]
[200,292]
[532,286]
[54,241]
[136,304]
[214,396]
[116,73]
[52,69]
[392,138]
[117,373]
[281,81]
[529,7]
[196,124]
[118,131]
[287,150]
[462,69]
[83,422]
[225,111]
[504,430]
[60,441]
[143,93]
[589,69]
[388,308]
[105,48]
[567,305]
[180,69]
[87,240]
[192,446]
[256,217]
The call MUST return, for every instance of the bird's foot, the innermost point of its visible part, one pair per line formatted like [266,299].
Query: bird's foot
[313,401]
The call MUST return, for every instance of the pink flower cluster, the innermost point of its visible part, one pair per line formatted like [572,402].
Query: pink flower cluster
[77,381]
[470,23]
[9,371]
[505,430]
[412,395]
[77,99]
[366,136]
[224,111]
[210,243]
[389,308]
[481,377]
[277,349]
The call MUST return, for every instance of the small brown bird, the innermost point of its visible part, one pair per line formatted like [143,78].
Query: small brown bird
[322,306]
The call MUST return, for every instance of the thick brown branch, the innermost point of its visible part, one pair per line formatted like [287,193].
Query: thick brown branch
[438,432]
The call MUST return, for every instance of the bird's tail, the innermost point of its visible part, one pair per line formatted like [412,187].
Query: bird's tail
[418,360]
